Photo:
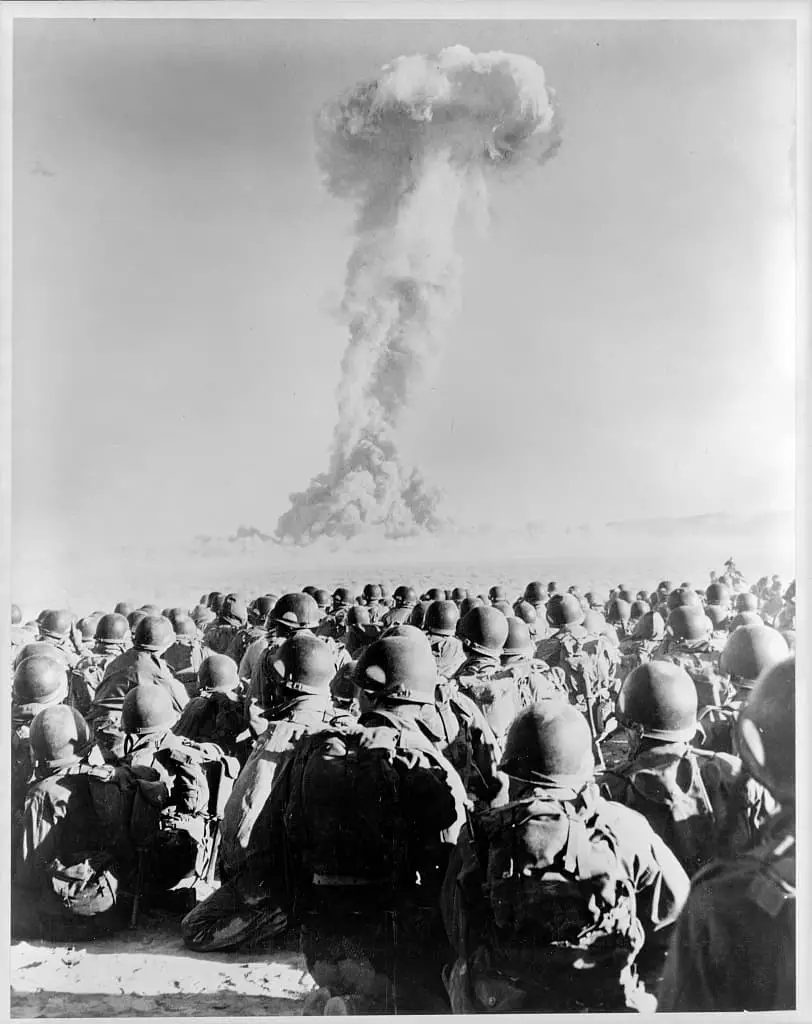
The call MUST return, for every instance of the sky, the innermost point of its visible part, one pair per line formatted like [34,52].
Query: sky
[625,344]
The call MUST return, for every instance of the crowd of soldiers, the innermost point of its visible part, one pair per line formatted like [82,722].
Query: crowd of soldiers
[553,801]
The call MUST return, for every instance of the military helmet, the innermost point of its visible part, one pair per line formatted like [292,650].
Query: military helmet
[639,609]
[595,599]
[659,697]
[215,602]
[112,629]
[359,616]
[718,615]
[201,615]
[689,622]
[322,599]
[218,674]
[594,621]
[417,615]
[750,651]
[436,594]
[39,649]
[185,626]
[154,633]
[39,679]
[55,623]
[342,597]
[717,594]
[147,709]
[87,627]
[441,618]
[16,615]
[372,592]
[564,610]
[58,736]
[234,608]
[683,597]
[310,589]
[551,740]
[518,642]
[404,595]
[497,593]
[124,608]
[746,602]
[134,618]
[296,611]
[459,594]
[766,731]
[525,611]
[619,610]
[665,586]
[398,668]
[535,593]
[150,609]
[746,619]
[262,608]
[484,630]
[468,604]
[173,614]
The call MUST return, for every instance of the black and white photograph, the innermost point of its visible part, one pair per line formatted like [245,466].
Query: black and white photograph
[402,487]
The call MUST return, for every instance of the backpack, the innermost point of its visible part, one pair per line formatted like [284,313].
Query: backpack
[535,683]
[700,662]
[349,820]
[457,723]
[496,696]
[344,816]
[559,897]
[86,889]
[218,638]
[672,796]
[588,664]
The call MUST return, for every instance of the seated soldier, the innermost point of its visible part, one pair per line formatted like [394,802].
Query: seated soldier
[560,901]
[244,910]
[180,854]
[698,802]
[216,715]
[75,859]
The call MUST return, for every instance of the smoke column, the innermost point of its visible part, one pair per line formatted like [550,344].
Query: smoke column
[411,150]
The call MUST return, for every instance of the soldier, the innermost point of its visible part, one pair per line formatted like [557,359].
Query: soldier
[405,600]
[484,631]
[256,628]
[638,609]
[373,596]
[687,643]
[185,656]
[527,613]
[458,595]
[533,679]
[560,901]
[56,628]
[245,909]
[749,652]
[196,778]
[202,617]
[640,647]
[40,681]
[440,626]
[112,636]
[370,817]
[695,800]
[220,635]
[619,616]
[334,624]
[142,664]
[74,861]
[734,945]
[216,715]
[86,627]
[360,630]
[292,613]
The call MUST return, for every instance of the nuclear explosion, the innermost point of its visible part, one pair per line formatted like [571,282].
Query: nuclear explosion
[411,150]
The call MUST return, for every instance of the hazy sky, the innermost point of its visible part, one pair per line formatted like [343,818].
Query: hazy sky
[624,349]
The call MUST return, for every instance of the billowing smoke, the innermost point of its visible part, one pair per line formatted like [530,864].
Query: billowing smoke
[411,150]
